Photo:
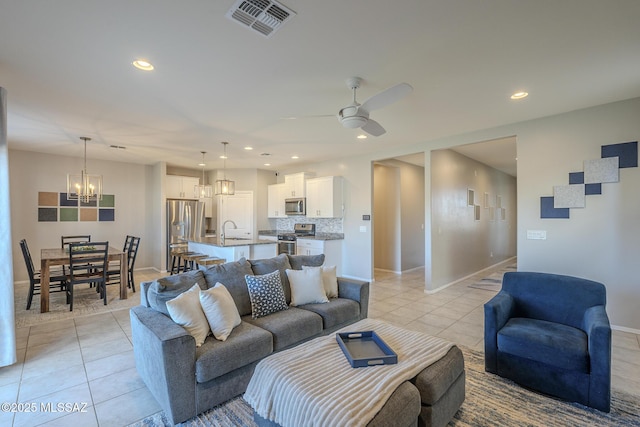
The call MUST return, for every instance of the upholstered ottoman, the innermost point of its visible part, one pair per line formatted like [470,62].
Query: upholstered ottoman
[401,410]
[291,383]
[441,387]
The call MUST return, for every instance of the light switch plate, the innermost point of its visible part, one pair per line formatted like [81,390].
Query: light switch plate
[536,234]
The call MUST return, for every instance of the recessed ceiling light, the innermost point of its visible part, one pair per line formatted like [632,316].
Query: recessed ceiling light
[295,157]
[143,65]
[267,164]
[362,136]
[519,95]
[248,148]
[223,157]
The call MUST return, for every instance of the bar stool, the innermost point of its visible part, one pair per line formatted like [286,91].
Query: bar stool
[205,262]
[178,264]
[190,259]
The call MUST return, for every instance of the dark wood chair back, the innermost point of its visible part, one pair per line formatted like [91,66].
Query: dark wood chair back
[80,238]
[56,283]
[131,256]
[28,261]
[87,264]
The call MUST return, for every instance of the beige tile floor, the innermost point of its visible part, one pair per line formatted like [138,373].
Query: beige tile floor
[88,361]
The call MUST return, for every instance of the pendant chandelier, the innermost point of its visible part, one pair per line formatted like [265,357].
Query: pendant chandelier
[84,186]
[202,190]
[225,187]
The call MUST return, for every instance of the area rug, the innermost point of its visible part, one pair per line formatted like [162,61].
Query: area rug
[85,302]
[490,401]
[493,282]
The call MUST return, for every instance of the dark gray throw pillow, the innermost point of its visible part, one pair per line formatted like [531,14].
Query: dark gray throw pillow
[266,294]
[231,275]
[167,288]
[269,265]
[297,261]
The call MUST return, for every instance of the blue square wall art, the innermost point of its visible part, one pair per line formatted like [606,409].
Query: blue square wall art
[627,152]
[548,211]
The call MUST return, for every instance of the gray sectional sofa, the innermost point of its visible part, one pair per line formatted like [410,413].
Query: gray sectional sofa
[187,380]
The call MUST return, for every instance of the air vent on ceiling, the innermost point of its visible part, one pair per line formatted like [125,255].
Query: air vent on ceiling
[263,16]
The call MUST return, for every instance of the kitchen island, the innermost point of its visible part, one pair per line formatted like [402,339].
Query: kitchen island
[234,249]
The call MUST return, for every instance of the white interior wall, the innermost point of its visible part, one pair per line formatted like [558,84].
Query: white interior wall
[601,242]
[462,245]
[33,172]
[386,219]
[264,178]
[398,215]
[412,223]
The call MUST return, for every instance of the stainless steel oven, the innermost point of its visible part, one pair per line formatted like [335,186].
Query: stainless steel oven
[287,247]
[287,241]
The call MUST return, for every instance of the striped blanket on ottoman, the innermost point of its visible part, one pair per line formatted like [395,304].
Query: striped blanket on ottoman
[313,384]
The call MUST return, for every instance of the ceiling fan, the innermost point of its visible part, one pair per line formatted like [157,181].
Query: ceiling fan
[356,115]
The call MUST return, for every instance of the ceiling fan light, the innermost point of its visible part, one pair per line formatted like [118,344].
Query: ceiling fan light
[353,122]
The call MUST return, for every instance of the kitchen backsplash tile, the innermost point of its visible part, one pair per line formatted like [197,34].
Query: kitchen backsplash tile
[323,225]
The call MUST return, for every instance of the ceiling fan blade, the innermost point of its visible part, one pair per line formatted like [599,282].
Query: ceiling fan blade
[373,128]
[315,116]
[387,97]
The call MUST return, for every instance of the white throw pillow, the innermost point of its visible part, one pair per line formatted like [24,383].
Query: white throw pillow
[306,286]
[186,311]
[329,279]
[220,310]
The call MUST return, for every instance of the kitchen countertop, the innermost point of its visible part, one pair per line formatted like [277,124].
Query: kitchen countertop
[318,236]
[230,242]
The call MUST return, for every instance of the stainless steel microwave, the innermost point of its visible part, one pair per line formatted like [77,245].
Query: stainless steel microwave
[295,206]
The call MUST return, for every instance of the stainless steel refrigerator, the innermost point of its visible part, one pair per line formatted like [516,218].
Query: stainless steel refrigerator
[185,220]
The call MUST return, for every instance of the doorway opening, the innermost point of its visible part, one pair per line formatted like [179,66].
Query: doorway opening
[399,213]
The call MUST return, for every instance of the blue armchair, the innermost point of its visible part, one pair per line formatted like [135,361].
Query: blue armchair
[551,333]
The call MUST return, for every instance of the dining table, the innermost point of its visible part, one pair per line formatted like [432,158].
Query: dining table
[60,256]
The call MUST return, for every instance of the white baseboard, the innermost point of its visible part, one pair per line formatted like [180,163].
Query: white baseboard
[625,329]
[362,279]
[506,261]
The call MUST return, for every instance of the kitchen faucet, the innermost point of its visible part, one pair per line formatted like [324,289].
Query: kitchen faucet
[222,234]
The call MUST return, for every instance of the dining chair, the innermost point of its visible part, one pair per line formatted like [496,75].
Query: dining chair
[133,253]
[130,247]
[65,241]
[82,255]
[57,281]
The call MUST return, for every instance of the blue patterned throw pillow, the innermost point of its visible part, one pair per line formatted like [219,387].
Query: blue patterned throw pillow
[266,294]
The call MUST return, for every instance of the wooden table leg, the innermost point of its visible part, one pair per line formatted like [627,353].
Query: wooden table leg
[44,286]
[124,267]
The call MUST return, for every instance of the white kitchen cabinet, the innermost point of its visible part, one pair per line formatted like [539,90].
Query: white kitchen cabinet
[309,247]
[181,187]
[295,185]
[275,201]
[332,250]
[324,197]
